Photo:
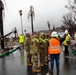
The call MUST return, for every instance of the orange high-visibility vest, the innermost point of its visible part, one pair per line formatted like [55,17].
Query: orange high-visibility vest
[54,46]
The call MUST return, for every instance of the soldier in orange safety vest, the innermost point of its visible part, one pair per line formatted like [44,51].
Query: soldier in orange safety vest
[54,50]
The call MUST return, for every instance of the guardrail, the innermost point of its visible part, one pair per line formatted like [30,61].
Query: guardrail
[8,52]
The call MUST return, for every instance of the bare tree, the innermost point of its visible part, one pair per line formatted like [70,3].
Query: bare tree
[69,20]
[62,27]
[71,6]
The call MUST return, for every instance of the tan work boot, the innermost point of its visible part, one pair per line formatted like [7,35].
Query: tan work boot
[41,65]
[29,64]
[46,63]
[36,70]
[48,59]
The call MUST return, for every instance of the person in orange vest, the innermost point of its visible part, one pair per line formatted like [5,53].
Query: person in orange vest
[54,50]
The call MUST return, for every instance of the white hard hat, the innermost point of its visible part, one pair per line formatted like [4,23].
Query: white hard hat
[54,34]
[20,33]
[66,31]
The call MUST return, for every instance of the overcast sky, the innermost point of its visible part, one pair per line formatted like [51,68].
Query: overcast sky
[45,10]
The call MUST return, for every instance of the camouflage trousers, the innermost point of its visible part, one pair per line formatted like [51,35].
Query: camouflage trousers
[28,57]
[42,56]
[35,61]
[46,54]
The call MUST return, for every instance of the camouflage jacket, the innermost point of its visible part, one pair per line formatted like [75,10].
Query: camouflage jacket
[34,46]
[27,43]
[42,43]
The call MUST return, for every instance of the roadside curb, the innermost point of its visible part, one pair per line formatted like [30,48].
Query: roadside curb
[8,52]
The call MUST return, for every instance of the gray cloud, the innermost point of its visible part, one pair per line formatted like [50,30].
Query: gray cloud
[45,10]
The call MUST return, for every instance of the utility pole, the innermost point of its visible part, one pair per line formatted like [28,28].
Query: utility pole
[48,25]
[15,31]
[25,32]
[32,15]
[1,25]
[20,12]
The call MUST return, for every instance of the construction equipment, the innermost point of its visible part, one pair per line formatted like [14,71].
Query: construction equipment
[7,37]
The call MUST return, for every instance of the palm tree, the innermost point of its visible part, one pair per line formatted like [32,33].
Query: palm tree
[32,15]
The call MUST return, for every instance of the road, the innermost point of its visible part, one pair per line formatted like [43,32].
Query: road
[15,64]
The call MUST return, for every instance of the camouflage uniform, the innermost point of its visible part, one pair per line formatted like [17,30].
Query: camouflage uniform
[46,49]
[48,39]
[27,48]
[42,48]
[35,52]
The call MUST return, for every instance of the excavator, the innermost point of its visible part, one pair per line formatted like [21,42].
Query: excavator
[7,37]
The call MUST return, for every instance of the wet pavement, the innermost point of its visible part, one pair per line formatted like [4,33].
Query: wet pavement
[15,64]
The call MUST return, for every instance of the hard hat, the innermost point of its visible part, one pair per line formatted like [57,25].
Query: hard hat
[20,33]
[66,31]
[54,34]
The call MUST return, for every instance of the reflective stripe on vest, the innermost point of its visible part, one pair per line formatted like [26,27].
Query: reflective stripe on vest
[42,40]
[36,39]
[54,47]
[65,41]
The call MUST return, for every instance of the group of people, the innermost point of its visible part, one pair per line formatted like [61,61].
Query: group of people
[36,48]
[41,46]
